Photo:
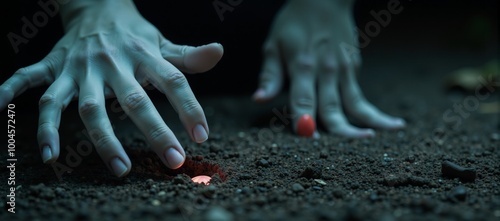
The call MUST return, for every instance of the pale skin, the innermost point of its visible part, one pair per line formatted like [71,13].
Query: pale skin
[110,50]
[312,41]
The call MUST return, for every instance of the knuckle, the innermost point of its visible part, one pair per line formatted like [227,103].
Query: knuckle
[22,71]
[102,140]
[175,80]
[157,132]
[137,45]
[43,125]
[105,54]
[343,65]
[331,107]
[304,64]
[134,101]
[23,74]
[88,107]
[304,103]
[330,67]
[47,99]
[191,107]
[102,134]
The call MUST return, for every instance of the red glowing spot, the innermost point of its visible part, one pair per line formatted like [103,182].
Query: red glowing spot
[306,126]
[202,179]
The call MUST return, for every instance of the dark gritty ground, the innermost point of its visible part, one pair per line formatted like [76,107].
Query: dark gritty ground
[264,174]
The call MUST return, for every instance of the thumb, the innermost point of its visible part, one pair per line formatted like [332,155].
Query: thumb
[191,59]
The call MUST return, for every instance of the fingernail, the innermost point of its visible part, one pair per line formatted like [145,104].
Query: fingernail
[119,168]
[370,133]
[199,133]
[259,93]
[46,154]
[400,122]
[306,126]
[174,158]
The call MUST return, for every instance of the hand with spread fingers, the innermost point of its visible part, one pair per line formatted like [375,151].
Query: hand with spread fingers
[110,50]
[314,42]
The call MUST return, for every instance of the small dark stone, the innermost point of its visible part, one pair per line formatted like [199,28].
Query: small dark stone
[323,154]
[263,163]
[338,193]
[311,173]
[452,170]
[245,176]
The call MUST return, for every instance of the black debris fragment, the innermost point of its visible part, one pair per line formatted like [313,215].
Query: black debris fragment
[452,170]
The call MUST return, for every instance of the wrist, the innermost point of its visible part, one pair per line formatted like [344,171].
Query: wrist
[78,11]
[325,4]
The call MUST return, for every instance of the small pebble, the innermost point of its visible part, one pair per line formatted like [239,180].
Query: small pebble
[296,187]
[317,188]
[155,202]
[458,193]
[320,181]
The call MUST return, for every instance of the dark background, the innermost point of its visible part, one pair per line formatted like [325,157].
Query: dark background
[467,25]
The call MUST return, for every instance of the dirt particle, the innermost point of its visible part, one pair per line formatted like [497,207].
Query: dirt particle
[198,158]
[181,179]
[209,191]
[323,154]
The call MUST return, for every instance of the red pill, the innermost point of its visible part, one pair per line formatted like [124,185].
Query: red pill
[306,126]
[202,179]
